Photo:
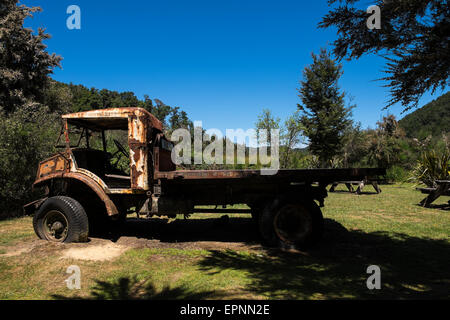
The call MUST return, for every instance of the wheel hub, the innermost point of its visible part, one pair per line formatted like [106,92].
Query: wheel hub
[292,223]
[57,227]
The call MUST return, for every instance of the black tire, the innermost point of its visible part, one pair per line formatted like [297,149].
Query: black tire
[61,219]
[291,224]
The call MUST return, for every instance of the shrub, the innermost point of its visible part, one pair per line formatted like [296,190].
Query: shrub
[431,166]
[397,174]
[26,137]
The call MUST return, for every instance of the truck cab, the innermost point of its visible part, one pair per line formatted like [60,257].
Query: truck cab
[105,161]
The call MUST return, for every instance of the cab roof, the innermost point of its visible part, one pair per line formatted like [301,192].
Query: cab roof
[111,119]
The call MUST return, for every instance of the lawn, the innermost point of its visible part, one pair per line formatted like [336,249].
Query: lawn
[209,258]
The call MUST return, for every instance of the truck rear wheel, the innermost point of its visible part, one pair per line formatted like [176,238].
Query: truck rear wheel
[291,224]
[61,219]
[255,215]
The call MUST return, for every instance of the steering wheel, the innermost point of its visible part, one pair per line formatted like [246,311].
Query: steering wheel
[121,148]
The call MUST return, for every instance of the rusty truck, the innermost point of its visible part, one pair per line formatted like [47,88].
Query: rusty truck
[82,189]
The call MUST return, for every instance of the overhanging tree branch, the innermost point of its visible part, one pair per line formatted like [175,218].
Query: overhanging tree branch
[414,38]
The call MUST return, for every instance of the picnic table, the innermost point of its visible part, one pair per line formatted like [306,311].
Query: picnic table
[442,189]
[361,184]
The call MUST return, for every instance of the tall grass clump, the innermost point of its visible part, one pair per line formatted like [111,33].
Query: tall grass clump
[431,166]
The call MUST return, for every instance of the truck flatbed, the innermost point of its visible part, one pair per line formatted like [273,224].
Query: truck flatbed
[294,175]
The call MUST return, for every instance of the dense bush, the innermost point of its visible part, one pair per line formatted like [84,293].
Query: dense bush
[26,137]
[397,174]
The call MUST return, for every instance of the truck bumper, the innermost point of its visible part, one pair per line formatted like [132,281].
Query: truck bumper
[32,207]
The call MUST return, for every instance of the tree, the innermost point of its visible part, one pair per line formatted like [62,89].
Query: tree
[128,99]
[413,37]
[266,122]
[161,111]
[179,119]
[324,114]
[385,143]
[27,126]
[355,146]
[24,63]
[290,137]
[27,136]
[58,97]
[431,119]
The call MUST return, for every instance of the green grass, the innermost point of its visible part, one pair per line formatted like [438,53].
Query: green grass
[395,210]
[409,243]
[15,230]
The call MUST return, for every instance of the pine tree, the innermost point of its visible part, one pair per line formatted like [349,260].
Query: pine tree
[324,114]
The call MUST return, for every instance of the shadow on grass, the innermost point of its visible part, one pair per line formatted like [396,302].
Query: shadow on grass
[190,230]
[411,268]
[132,289]
[444,206]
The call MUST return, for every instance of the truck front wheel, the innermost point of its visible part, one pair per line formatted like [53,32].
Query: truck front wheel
[61,219]
[291,224]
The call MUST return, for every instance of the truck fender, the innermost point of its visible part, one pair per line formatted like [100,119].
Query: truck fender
[111,208]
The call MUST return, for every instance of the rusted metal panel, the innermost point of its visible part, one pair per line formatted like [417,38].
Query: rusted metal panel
[163,160]
[139,124]
[137,141]
[93,177]
[57,163]
[93,184]
[112,118]
[314,175]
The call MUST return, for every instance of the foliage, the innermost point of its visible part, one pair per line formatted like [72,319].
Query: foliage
[324,114]
[432,119]
[430,167]
[75,98]
[397,173]
[355,146]
[27,127]
[58,97]
[267,122]
[385,148]
[291,136]
[414,34]
[24,63]
[27,136]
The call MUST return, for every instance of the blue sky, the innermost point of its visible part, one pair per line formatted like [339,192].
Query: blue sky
[221,61]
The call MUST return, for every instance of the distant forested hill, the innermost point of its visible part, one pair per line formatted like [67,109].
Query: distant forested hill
[67,98]
[433,118]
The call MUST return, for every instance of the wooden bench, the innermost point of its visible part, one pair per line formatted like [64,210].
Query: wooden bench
[442,189]
[361,184]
